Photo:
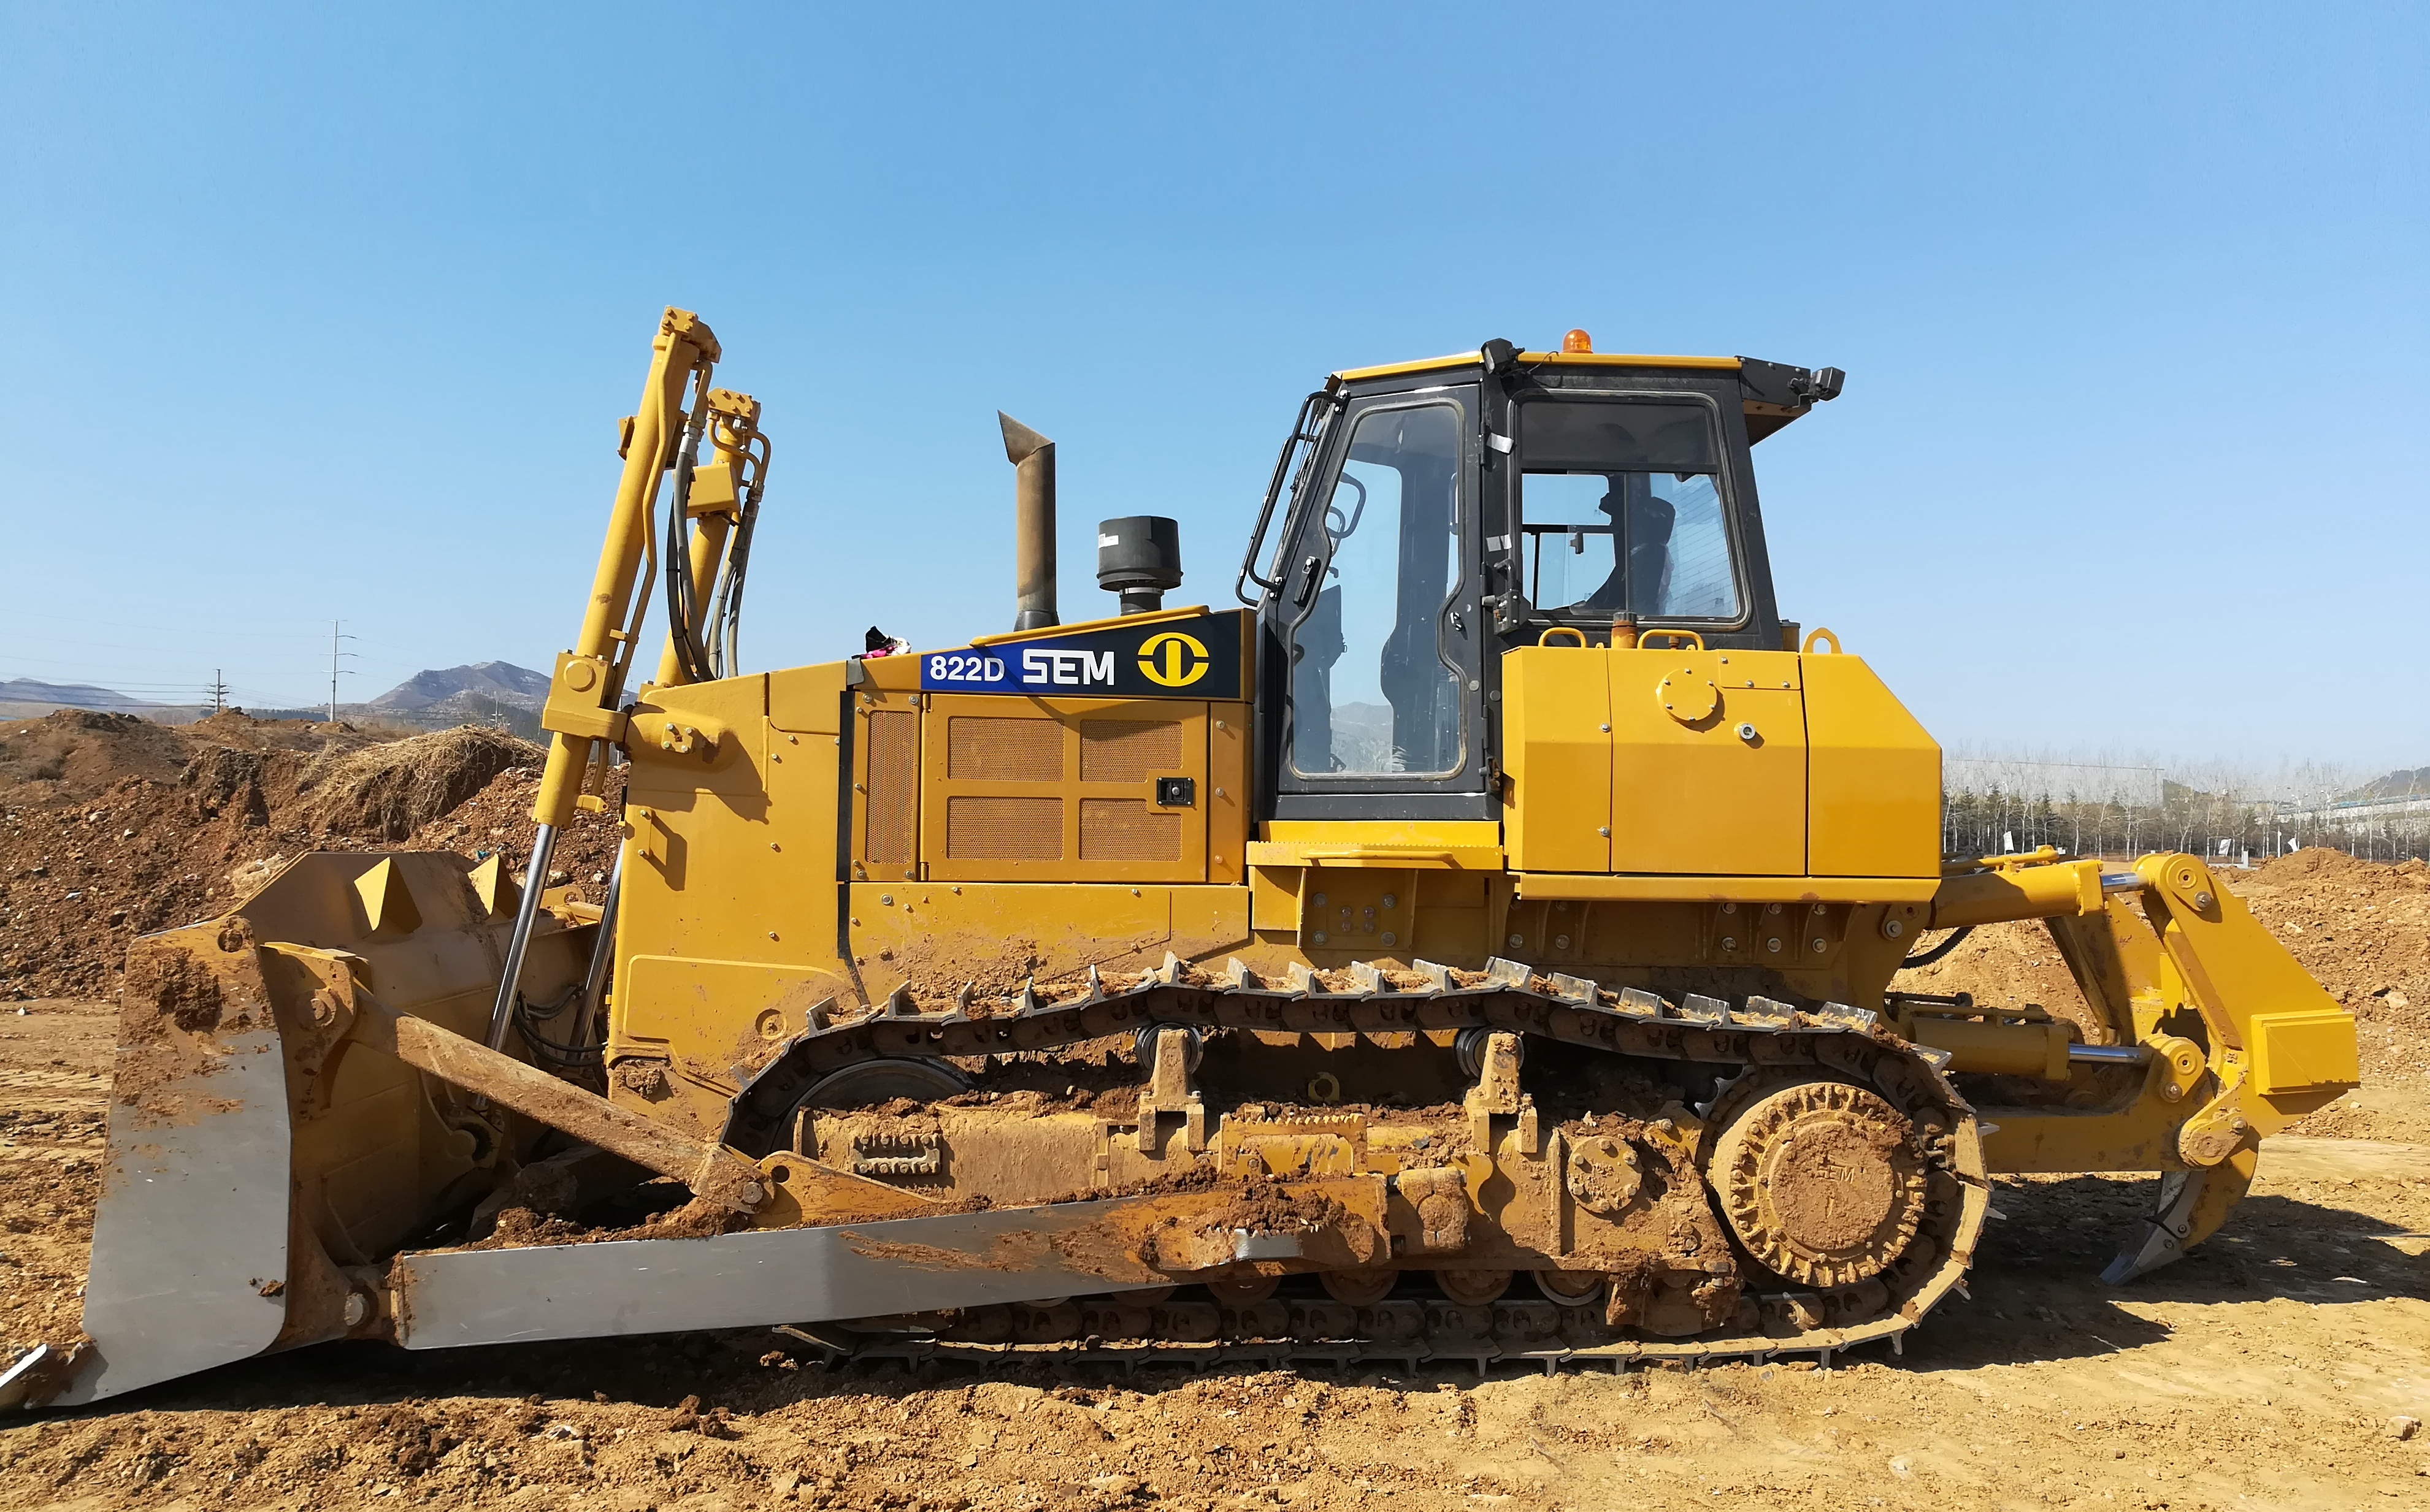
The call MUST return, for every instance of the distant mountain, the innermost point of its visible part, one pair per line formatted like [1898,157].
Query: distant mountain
[76,695]
[2395,785]
[495,693]
[25,698]
[493,682]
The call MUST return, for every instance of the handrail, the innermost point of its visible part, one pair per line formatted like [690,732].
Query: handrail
[1302,434]
[1644,634]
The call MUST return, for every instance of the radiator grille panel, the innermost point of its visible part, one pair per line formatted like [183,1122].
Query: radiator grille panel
[893,788]
[1128,750]
[1125,829]
[1004,829]
[980,749]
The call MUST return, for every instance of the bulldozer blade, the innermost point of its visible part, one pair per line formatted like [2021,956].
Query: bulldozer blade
[189,1240]
[259,1157]
[2193,1206]
[449,1299]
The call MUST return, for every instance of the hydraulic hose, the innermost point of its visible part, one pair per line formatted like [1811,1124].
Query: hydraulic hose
[682,613]
[725,616]
[1925,958]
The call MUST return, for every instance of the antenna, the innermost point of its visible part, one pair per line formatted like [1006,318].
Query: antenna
[335,671]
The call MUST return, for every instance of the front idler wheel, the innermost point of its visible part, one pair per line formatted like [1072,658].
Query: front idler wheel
[1821,1181]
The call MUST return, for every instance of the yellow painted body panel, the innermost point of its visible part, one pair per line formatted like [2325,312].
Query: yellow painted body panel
[1691,790]
[1383,834]
[934,936]
[1873,777]
[1061,790]
[1391,857]
[1645,889]
[808,699]
[705,1017]
[1227,802]
[2305,1052]
[1329,914]
[1725,764]
[1556,805]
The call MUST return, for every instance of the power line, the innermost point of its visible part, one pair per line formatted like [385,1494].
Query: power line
[335,671]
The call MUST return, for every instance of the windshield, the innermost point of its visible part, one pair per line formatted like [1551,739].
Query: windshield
[1652,544]
[1620,510]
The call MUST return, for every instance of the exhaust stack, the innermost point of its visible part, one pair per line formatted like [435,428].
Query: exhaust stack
[1032,456]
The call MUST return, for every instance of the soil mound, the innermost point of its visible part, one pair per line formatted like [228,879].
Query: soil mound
[2316,862]
[388,791]
[113,826]
[499,818]
[77,754]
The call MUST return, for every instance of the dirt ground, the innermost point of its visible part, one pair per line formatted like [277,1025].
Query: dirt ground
[2283,1366]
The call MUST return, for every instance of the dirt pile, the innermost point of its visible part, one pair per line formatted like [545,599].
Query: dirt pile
[387,792]
[112,826]
[499,818]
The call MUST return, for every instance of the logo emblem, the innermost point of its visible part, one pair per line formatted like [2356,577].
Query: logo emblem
[1173,659]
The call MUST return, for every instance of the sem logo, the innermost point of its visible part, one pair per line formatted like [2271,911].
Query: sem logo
[1173,659]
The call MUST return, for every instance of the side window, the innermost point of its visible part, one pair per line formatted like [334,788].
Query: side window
[1621,509]
[1372,692]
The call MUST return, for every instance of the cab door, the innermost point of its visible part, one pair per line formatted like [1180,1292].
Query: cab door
[1377,619]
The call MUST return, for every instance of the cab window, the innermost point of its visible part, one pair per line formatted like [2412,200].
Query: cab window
[1372,692]
[1620,510]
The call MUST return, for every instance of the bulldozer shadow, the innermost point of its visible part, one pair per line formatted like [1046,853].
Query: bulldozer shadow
[2037,1292]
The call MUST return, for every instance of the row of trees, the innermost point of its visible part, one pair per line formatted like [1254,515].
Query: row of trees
[2218,811]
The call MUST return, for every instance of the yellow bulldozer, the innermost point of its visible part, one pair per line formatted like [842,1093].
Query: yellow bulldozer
[1481,946]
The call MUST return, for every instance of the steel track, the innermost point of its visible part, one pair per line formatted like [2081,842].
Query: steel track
[1760,1036]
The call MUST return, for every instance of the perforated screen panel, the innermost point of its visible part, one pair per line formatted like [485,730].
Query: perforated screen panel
[1127,829]
[1004,829]
[893,788]
[1128,750]
[981,748]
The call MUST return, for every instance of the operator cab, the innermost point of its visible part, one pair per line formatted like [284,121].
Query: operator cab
[1443,512]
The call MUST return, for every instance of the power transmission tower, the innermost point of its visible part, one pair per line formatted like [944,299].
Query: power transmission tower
[335,671]
[217,692]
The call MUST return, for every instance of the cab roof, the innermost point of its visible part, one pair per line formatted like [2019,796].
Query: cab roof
[1771,393]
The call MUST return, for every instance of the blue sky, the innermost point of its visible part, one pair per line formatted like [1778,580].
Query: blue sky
[327,312]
